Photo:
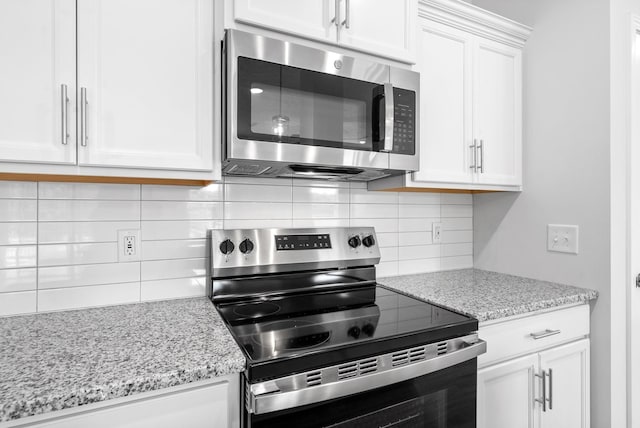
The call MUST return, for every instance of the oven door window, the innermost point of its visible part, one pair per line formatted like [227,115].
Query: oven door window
[445,399]
[285,104]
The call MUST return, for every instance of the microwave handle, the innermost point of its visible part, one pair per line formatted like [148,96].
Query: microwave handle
[389,116]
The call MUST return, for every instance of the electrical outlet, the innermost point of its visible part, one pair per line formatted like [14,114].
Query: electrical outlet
[562,238]
[128,245]
[436,233]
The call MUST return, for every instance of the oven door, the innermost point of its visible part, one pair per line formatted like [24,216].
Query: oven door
[443,399]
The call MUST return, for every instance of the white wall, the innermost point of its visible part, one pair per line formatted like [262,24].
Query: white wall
[58,241]
[566,168]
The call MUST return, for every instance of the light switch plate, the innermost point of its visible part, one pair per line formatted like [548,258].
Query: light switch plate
[129,245]
[562,238]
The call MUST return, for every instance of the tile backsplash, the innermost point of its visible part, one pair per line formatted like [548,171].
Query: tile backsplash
[58,241]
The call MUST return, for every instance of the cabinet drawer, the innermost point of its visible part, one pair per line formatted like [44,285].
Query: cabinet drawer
[512,338]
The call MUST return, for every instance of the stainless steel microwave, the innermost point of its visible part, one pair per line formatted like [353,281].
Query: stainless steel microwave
[296,111]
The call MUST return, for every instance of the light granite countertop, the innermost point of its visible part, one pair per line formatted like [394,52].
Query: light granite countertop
[488,295]
[60,360]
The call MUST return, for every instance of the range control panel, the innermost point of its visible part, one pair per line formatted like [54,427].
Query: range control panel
[303,242]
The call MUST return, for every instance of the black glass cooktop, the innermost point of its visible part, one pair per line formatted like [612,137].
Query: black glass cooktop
[321,328]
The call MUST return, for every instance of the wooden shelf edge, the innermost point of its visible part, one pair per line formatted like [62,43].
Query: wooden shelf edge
[101,179]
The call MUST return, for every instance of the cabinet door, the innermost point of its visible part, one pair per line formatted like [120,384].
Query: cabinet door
[497,112]
[568,386]
[307,18]
[506,394]
[37,57]
[387,28]
[147,66]
[445,104]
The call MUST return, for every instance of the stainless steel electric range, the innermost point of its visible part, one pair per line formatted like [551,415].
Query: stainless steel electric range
[327,346]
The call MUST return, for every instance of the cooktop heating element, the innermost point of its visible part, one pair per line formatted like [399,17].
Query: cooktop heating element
[301,301]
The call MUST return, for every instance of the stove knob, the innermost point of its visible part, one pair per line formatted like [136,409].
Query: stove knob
[354,332]
[368,241]
[368,329]
[226,247]
[354,241]
[246,246]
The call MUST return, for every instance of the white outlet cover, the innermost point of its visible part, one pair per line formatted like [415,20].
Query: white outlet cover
[562,238]
[122,253]
[436,233]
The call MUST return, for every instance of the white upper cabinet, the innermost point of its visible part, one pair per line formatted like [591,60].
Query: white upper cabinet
[146,67]
[37,67]
[307,18]
[498,113]
[386,28]
[470,62]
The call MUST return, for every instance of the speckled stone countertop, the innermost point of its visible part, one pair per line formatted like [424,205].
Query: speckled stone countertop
[488,295]
[65,359]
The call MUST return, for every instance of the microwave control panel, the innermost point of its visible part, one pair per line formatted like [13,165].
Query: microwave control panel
[404,134]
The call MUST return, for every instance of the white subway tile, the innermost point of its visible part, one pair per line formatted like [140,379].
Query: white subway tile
[449,250]
[419,252]
[18,189]
[18,233]
[459,262]
[457,199]
[79,232]
[457,223]
[374,211]
[257,223]
[363,196]
[77,254]
[389,254]
[331,211]
[419,198]
[357,185]
[18,280]
[256,193]
[303,182]
[387,239]
[258,181]
[386,269]
[17,303]
[18,210]
[457,211]
[56,299]
[173,288]
[381,225]
[456,236]
[170,269]
[415,238]
[256,210]
[81,275]
[179,249]
[178,229]
[322,222]
[21,256]
[417,224]
[95,191]
[409,267]
[213,192]
[320,195]
[78,210]
[163,210]
[415,211]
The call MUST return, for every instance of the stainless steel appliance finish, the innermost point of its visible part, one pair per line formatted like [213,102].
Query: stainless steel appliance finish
[258,154]
[363,375]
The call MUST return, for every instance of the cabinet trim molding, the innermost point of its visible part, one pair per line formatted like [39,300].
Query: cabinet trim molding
[472,19]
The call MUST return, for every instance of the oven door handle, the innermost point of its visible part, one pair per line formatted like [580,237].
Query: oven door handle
[274,401]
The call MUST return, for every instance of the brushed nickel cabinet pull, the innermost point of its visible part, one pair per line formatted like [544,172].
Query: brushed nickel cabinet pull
[481,147]
[64,108]
[543,334]
[83,117]
[543,400]
[347,20]
[474,154]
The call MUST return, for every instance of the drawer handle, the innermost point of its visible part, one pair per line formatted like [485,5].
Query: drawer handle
[546,333]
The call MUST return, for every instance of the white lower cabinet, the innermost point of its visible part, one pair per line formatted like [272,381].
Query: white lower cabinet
[548,386]
[207,404]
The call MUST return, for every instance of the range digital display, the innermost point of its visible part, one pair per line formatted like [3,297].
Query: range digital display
[302,242]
